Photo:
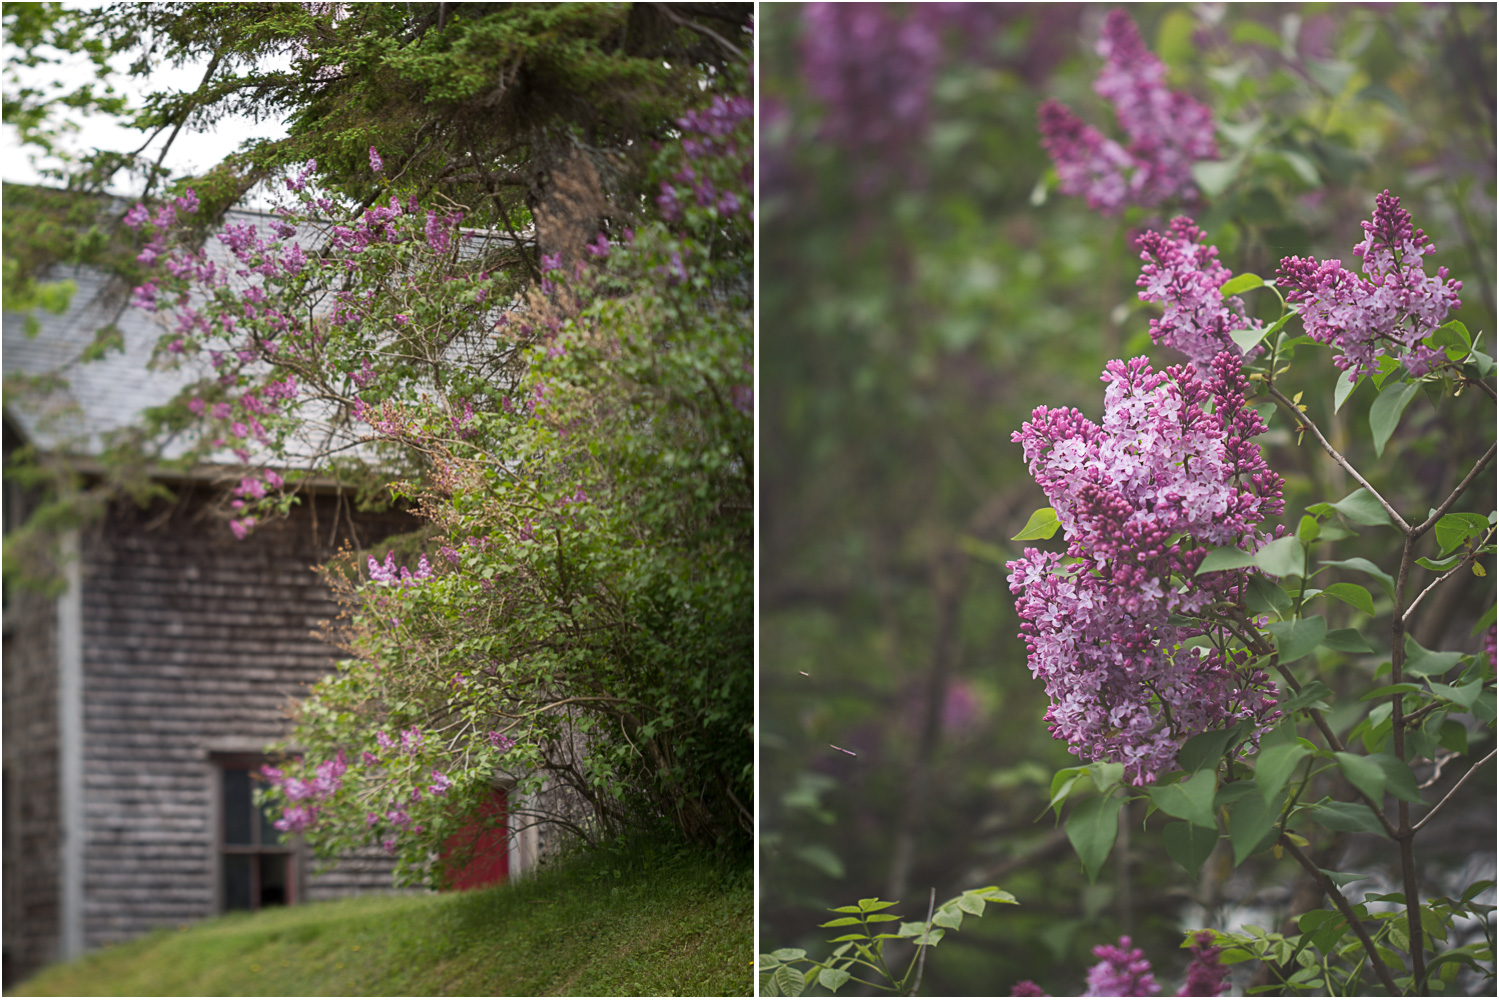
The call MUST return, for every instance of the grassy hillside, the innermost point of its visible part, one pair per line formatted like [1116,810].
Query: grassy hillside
[684,927]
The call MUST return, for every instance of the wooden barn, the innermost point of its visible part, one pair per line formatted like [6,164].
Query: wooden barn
[138,703]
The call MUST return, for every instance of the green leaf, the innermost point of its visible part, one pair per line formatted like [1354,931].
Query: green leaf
[1189,845]
[1398,779]
[1295,639]
[1455,529]
[1303,166]
[872,904]
[1384,415]
[843,922]
[1282,557]
[1311,693]
[1061,784]
[788,955]
[1265,597]
[1440,565]
[789,981]
[1340,879]
[1308,529]
[1206,749]
[1274,767]
[1362,507]
[1214,176]
[1043,524]
[1346,817]
[1251,821]
[1363,773]
[1249,336]
[1324,926]
[1422,662]
[1464,694]
[821,858]
[1191,800]
[949,916]
[1092,828]
[1365,566]
[1380,692]
[1352,593]
[1240,283]
[1227,557]
[831,979]
[1344,389]
[1453,338]
[1347,640]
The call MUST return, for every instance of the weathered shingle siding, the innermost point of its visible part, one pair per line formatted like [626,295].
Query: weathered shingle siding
[32,830]
[193,644]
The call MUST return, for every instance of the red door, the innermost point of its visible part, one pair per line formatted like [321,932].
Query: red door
[481,850]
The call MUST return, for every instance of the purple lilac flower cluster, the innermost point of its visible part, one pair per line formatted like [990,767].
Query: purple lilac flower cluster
[1184,275]
[1124,971]
[399,576]
[302,795]
[707,140]
[1389,311]
[1168,130]
[1170,472]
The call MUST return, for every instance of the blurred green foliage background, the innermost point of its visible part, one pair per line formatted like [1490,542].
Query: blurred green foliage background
[923,287]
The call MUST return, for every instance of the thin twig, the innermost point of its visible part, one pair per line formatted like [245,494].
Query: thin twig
[1436,515]
[925,936]
[1307,424]
[1445,576]
[1341,902]
[1427,818]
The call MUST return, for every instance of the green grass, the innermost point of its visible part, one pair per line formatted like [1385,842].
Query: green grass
[682,928]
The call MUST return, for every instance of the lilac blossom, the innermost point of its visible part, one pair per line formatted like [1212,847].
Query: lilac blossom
[500,741]
[1206,975]
[1123,972]
[1390,311]
[389,572]
[1184,275]
[1171,471]
[1167,130]
[440,783]
[1026,988]
[376,164]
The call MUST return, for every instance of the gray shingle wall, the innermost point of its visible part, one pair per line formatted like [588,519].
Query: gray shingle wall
[32,820]
[193,643]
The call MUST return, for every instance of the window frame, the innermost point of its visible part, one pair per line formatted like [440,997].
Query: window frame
[221,765]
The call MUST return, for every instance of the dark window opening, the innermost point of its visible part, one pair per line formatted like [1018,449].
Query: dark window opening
[258,870]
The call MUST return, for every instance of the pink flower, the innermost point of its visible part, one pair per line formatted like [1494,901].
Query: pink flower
[1390,311]
[1141,497]
[1184,275]
[376,164]
[1206,976]
[1167,130]
[1124,972]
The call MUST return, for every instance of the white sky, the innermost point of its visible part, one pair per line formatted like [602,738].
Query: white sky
[191,152]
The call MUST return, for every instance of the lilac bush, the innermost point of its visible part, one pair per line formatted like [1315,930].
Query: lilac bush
[1157,628]
[573,610]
